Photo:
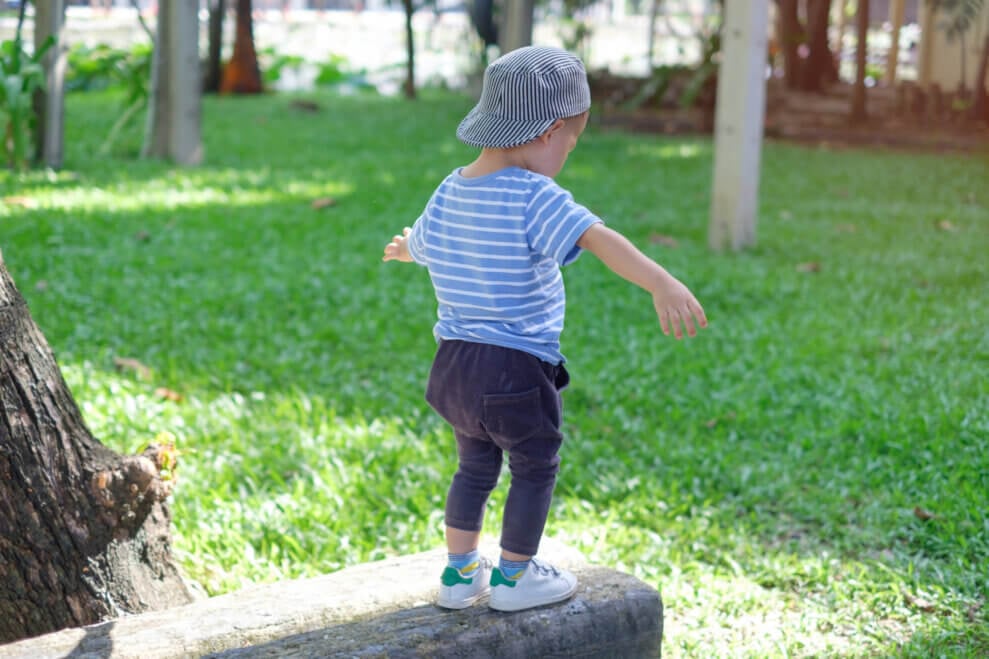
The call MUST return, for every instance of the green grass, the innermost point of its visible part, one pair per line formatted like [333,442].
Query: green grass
[764,476]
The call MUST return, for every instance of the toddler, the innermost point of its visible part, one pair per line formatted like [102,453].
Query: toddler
[493,237]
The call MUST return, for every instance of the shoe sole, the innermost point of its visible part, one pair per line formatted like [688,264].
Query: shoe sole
[521,606]
[456,605]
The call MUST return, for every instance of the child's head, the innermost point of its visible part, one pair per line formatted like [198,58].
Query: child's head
[526,92]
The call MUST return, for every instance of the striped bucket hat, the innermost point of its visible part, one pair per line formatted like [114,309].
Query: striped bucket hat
[524,92]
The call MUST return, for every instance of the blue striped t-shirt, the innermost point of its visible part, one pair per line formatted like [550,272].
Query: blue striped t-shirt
[494,246]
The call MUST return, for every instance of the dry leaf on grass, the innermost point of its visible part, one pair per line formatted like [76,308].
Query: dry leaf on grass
[136,367]
[946,225]
[810,266]
[923,514]
[168,394]
[920,603]
[20,200]
[846,228]
[730,416]
[660,239]
[323,202]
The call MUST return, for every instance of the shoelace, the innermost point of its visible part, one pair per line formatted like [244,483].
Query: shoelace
[544,568]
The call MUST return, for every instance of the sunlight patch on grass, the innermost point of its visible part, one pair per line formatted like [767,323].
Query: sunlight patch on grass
[181,190]
[661,151]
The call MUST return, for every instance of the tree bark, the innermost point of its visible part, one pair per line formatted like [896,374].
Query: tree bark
[859,113]
[980,108]
[819,67]
[791,36]
[242,75]
[84,532]
[409,87]
[214,68]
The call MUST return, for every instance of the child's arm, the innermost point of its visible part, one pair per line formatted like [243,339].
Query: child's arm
[398,248]
[674,303]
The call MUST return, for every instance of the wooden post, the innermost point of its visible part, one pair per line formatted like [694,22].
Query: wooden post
[49,21]
[896,9]
[517,25]
[928,25]
[859,111]
[738,124]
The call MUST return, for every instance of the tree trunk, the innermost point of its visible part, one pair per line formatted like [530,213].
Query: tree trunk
[174,105]
[84,532]
[516,29]
[819,68]
[410,52]
[242,74]
[859,113]
[49,103]
[791,36]
[980,109]
[214,68]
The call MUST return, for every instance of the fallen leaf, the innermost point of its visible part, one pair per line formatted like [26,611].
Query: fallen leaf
[846,228]
[129,364]
[168,394]
[660,239]
[945,225]
[305,106]
[923,514]
[810,266]
[323,202]
[730,416]
[23,202]
[920,603]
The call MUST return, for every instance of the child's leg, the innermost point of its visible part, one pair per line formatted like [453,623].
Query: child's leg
[477,474]
[465,578]
[534,464]
[520,581]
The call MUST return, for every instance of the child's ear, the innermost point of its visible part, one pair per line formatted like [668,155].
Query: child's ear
[556,126]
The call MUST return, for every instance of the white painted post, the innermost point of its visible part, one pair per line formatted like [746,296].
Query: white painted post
[174,118]
[49,21]
[185,84]
[516,25]
[739,124]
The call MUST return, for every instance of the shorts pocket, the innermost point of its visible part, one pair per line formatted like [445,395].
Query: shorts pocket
[513,418]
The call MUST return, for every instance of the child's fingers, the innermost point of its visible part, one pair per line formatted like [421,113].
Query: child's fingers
[698,311]
[664,321]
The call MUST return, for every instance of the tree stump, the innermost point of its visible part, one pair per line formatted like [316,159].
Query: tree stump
[84,532]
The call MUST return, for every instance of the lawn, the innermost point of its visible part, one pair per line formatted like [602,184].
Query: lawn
[809,477]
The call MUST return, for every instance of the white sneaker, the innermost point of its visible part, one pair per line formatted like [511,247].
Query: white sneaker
[461,588]
[540,584]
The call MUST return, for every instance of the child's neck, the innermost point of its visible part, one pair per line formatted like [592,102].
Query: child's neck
[494,160]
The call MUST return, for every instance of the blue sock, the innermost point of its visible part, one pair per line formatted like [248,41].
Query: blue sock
[512,569]
[469,560]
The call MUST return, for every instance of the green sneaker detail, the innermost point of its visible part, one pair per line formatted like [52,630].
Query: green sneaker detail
[452,577]
[499,579]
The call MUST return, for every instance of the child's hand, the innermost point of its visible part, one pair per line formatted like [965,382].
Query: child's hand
[398,248]
[675,304]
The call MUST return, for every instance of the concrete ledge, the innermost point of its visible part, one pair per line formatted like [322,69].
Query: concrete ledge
[381,609]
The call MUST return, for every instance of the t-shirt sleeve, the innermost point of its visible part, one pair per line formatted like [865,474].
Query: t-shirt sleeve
[555,222]
[416,241]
